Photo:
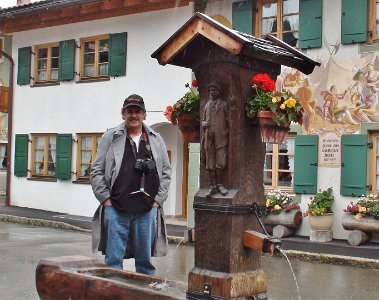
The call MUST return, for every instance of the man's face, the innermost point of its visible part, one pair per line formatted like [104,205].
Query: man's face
[134,116]
[213,92]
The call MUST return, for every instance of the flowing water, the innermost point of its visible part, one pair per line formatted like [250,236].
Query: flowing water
[293,273]
[161,286]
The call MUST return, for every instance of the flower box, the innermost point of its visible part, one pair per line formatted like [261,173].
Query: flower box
[270,131]
[189,127]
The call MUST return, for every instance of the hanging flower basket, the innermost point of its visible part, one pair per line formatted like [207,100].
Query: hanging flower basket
[270,131]
[189,127]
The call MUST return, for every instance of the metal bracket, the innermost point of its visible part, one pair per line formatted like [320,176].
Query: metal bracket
[207,291]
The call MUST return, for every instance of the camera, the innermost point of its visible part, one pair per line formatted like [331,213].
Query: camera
[145,165]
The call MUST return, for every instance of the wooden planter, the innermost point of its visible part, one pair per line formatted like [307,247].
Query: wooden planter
[285,223]
[190,128]
[361,229]
[270,131]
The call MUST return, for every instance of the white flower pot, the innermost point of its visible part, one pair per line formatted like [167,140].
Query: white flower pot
[321,223]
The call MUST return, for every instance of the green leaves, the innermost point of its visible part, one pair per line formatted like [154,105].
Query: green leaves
[321,203]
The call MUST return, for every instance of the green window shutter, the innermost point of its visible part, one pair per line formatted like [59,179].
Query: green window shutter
[305,167]
[354,165]
[21,155]
[66,60]
[354,21]
[242,16]
[310,26]
[23,74]
[117,54]
[63,156]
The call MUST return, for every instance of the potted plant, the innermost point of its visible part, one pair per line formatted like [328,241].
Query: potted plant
[320,210]
[186,114]
[275,110]
[281,210]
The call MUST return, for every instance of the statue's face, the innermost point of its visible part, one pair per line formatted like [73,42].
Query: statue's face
[213,92]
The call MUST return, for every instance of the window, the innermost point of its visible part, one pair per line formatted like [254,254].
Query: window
[87,146]
[297,22]
[279,165]
[43,155]
[3,156]
[46,63]
[373,16]
[374,163]
[94,57]
[279,18]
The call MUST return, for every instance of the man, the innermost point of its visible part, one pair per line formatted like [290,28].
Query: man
[215,123]
[130,177]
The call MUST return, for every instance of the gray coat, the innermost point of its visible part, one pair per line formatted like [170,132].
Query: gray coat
[104,172]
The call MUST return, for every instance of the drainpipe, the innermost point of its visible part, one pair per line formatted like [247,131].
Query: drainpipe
[10,113]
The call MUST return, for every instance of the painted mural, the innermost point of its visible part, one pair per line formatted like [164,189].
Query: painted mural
[338,95]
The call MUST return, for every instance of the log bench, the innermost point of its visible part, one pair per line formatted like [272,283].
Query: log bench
[361,229]
[285,223]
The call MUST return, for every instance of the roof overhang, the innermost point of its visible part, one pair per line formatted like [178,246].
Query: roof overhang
[59,12]
[201,30]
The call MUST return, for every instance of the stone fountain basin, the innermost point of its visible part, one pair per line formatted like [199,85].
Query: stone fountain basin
[80,277]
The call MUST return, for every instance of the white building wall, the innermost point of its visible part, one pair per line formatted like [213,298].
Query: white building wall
[94,107]
[330,176]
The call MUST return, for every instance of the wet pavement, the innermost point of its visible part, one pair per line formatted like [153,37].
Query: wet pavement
[22,247]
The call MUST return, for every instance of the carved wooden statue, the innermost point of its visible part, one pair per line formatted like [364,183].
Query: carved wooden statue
[215,126]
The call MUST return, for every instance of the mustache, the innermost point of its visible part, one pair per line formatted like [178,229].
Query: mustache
[133,118]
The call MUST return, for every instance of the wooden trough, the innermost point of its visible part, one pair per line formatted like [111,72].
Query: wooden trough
[80,277]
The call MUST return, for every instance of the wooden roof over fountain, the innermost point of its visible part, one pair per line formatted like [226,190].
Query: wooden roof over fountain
[201,30]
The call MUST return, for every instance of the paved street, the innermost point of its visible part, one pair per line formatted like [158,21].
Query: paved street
[23,246]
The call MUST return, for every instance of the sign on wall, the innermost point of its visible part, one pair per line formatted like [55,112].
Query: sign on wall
[329,152]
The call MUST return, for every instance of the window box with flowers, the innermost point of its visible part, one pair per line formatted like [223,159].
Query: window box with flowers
[274,110]
[186,114]
[282,211]
[362,218]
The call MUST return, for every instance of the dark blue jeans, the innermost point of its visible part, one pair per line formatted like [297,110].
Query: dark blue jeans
[143,227]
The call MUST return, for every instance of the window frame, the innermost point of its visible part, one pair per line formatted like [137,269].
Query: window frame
[372,159]
[279,18]
[48,67]
[3,157]
[80,136]
[45,155]
[275,167]
[373,19]
[96,57]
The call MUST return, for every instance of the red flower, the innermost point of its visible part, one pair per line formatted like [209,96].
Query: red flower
[194,83]
[264,82]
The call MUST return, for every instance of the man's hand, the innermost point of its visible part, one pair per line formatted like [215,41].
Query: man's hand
[107,203]
[155,204]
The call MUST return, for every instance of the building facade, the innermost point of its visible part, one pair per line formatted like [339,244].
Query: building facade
[76,64]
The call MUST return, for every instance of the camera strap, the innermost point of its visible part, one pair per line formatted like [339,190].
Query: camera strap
[147,145]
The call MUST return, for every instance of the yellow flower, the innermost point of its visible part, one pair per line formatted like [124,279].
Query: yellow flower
[282,106]
[358,216]
[268,202]
[290,102]
[362,209]
[277,207]
[274,100]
